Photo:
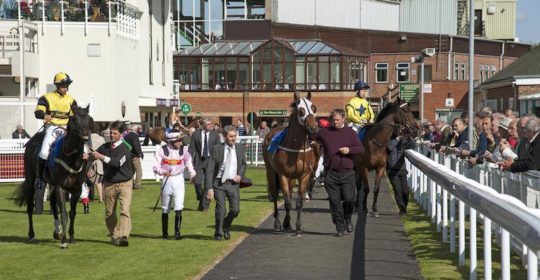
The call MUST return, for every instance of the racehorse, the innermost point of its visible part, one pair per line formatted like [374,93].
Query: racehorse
[294,159]
[395,115]
[67,174]
[157,134]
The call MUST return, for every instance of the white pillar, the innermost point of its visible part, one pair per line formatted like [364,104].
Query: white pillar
[505,255]
[487,248]
[472,241]
[461,233]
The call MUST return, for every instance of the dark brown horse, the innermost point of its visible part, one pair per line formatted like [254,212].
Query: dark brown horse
[293,160]
[157,134]
[393,116]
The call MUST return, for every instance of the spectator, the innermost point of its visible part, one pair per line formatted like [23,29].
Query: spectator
[263,130]
[200,148]
[240,128]
[445,132]
[523,143]
[513,136]
[532,160]
[96,170]
[132,138]
[461,131]
[20,133]
[396,171]
[118,183]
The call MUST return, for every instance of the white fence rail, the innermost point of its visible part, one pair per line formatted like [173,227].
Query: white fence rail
[12,157]
[445,186]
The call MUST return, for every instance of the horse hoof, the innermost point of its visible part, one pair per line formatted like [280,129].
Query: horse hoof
[57,236]
[63,245]
[298,233]
[374,214]
[32,240]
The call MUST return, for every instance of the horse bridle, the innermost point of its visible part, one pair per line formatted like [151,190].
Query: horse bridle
[303,103]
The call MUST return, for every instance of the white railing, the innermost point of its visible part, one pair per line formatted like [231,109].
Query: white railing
[12,157]
[439,192]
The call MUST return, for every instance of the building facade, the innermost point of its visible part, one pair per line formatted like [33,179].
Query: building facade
[119,54]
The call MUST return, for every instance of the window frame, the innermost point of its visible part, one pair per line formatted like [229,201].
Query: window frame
[382,69]
[398,68]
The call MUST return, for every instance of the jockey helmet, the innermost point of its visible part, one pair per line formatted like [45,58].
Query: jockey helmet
[174,136]
[360,85]
[62,78]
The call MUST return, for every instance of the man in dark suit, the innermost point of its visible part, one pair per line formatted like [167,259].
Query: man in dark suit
[136,154]
[20,133]
[532,159]
[201,148]
[226,167]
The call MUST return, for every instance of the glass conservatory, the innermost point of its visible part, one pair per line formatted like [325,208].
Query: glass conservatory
[273,65]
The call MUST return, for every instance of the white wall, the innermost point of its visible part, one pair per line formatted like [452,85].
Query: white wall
[363,14]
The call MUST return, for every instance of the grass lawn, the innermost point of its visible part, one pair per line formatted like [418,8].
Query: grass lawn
[147,257]
[434,257]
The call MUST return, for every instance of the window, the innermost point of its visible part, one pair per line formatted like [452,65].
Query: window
[402,72]
[381,70]
[428,73]
[456,71]
[482,77]
[493,70]
[463,71]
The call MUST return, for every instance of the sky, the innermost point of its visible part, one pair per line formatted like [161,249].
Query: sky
[528,21]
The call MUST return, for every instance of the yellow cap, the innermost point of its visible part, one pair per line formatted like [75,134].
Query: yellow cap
[62,78]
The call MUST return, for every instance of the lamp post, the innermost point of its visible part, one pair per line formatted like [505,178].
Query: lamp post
[421,88]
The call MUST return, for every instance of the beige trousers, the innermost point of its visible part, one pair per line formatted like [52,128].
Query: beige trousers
[137,167]
[114,193]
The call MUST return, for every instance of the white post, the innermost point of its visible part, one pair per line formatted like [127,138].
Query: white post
[42,17]
[193,23]
[109,18]
[461,233]
[85,17]
[452,224]
[245,9]
[471,73]
[422,90]
[444,216]
[532,263]
[439,207]
[62,17]
[505,255]
[487,248]
[257,153]
[433,201]
[472,241]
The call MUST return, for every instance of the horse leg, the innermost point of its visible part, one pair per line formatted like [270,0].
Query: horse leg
[57,233]
[273,188]
[378,176]
[61,199]
[287,197]
[72,214]
[304,182]
[30,212]
[365,187]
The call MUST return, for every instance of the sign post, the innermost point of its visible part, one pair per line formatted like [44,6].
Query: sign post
[186,109]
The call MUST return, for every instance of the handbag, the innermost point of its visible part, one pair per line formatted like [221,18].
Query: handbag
[245,182]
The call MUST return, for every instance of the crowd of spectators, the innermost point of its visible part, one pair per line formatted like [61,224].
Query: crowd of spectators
[500,138]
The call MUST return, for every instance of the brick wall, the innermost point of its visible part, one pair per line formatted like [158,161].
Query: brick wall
[526,90]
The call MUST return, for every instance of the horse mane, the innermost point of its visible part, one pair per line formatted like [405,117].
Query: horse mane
[390,108]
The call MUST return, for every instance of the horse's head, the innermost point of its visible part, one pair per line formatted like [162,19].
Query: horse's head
[405,118]
[305,112]
[80,123]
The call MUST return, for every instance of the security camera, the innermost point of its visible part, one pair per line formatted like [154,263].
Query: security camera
[429,51]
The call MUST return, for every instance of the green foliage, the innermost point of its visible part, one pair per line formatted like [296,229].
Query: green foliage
[147,257]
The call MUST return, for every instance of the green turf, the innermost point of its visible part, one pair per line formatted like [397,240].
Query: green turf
[147,257]
[434,257]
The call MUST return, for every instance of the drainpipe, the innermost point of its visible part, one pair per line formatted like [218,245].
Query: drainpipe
[449,74]
[514,98]
[502,56]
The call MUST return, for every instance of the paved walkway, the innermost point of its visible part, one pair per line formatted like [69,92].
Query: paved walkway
[378,248]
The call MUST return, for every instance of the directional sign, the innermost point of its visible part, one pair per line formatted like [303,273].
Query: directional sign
[185,108]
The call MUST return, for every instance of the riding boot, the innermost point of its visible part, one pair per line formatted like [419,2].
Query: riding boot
[177,224]
[86,208]
[165,225]
[40,165]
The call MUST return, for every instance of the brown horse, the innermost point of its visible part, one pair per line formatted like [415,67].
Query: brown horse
[157,134]
[393,116]
[293,160]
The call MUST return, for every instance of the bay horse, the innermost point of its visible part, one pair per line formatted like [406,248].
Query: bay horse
[393,116]
[66,175]
[294,159]
[157,134]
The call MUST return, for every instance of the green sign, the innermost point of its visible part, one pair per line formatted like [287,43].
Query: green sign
[273,113]
[198,114]
[409,93]
[185,108]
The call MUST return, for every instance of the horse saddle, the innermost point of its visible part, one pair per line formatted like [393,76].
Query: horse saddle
[276,140]
[362,133]
[55,150]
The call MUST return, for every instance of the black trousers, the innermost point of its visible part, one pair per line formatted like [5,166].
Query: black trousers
[398,179]
[340,187]
[224,218]
[200,185]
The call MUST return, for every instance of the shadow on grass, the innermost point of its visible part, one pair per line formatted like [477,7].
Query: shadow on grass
[47,242]
[187,236]
[13,211]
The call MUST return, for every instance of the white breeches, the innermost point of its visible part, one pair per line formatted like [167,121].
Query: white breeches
[50,135]
[174,189]
[85,191]
[320,167]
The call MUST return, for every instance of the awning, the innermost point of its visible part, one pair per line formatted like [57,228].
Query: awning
[534,96]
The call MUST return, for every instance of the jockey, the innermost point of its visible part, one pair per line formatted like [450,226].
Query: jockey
[358,110]
[170,161]
[54,108]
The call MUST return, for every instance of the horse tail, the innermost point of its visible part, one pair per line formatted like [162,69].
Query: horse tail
[23,193]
